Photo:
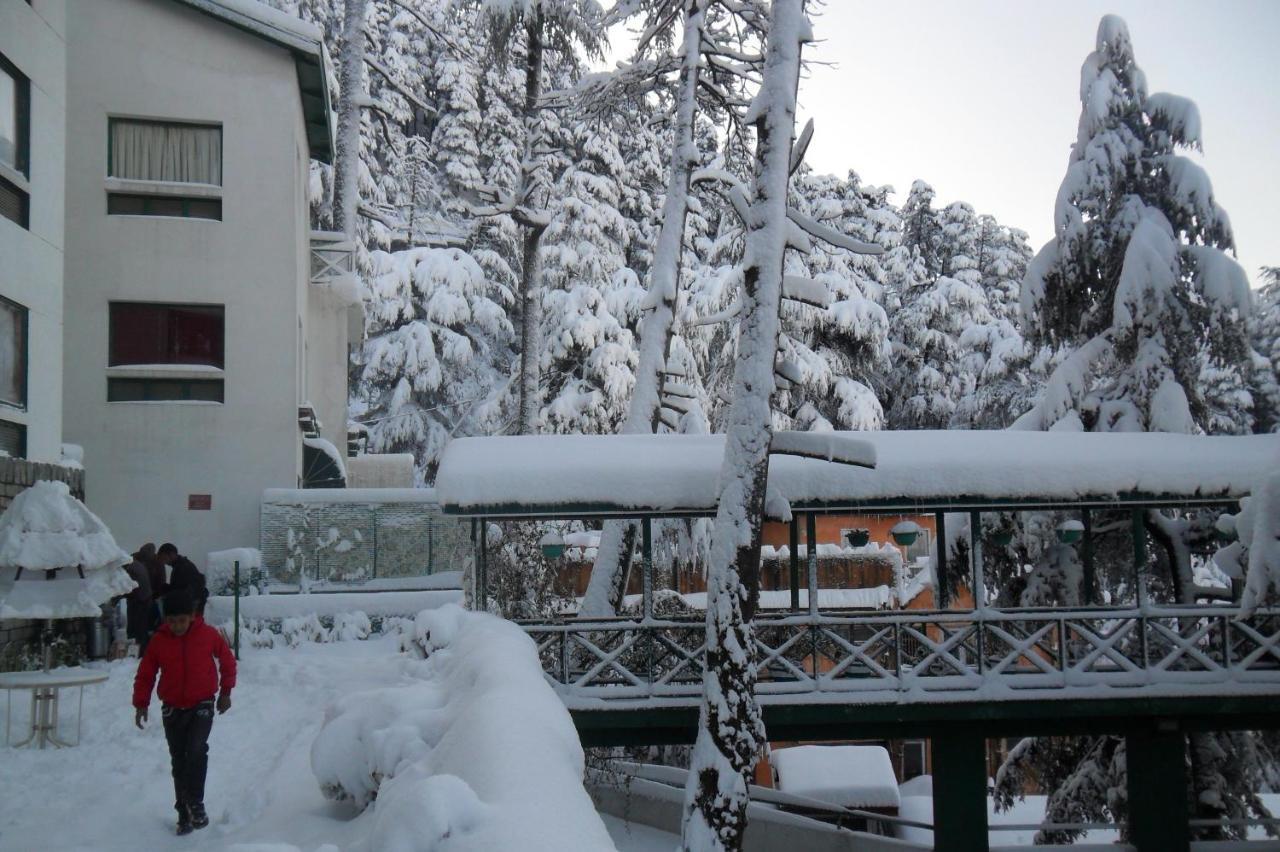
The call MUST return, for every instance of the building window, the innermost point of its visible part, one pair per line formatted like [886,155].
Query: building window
[15,143]
[164,390]
[148,334]
[913,762]
[185,158]
[13,440]
[13,354]
[15,118]
[164,151]
[126,204]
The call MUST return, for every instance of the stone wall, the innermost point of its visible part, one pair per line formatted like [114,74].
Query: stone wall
[17,475]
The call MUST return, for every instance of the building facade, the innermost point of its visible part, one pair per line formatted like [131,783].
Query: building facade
[195,337]
[33,94]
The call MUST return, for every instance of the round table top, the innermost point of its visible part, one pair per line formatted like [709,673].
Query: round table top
[74,676]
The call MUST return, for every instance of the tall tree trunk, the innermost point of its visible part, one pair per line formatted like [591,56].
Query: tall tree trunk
[530,279]
[730,727]
[608,581]
[346,150]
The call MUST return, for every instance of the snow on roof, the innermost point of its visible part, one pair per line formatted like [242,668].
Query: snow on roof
[848,776]
[587,475]
[305,41]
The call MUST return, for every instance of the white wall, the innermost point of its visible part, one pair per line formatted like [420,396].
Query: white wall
[155,58]
[32,37]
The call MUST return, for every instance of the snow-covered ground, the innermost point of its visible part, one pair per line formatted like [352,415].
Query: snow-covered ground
[113,791]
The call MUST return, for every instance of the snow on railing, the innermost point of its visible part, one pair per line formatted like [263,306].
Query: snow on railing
[332,256]
[951,655]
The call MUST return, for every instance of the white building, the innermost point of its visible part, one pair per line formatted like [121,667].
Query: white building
[195,340]
[33,94]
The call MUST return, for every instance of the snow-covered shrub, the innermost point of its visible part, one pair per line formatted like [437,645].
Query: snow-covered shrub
[478,752]
[303,628]
[350,626]
[220,566]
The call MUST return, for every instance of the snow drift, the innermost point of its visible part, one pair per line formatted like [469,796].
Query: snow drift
[475,753]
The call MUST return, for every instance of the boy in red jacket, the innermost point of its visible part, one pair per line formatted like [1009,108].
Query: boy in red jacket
[183,651]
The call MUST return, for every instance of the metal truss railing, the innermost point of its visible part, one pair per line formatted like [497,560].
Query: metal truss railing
[966,655]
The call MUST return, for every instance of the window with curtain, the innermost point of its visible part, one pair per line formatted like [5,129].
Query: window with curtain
[13,353]
[165,151]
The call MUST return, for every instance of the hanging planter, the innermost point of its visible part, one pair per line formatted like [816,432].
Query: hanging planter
[905,533]
[552,545]
[858,537]
[1070,532]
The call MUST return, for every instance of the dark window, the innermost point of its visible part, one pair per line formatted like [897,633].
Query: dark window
[13,204]
[13,439]
[164,390]
[15,118]
[128,204]
[149,333]
[13,353]
[912,759]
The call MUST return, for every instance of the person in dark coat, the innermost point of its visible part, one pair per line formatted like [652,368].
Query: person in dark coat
[138,616]
[159,582]
[195,665]
[183,574]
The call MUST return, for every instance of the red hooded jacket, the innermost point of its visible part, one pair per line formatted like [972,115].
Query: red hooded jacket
[185,663]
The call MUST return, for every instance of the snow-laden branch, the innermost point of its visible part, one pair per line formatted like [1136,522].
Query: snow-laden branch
[391,81]
[831,235]
[802,146]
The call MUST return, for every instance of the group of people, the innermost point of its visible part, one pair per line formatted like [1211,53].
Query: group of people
[157,574]
[195,666]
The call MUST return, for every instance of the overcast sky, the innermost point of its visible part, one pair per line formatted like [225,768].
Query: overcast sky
[981,99]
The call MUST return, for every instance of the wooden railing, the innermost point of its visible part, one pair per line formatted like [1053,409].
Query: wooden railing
[866,657]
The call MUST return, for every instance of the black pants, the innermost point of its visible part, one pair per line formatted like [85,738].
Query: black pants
[187,732]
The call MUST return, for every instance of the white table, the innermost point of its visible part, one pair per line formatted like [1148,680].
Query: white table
[44,688]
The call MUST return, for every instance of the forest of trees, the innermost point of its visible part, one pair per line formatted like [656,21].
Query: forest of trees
[548,248]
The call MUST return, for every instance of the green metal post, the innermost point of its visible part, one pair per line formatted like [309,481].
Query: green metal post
[975,548]
[475,561]
[236,607]
[1090,590]
[811,546]
[484,564]
[794,541]
[940,547]
[1157,779]
[960,793]
[1139,557]
[646,550]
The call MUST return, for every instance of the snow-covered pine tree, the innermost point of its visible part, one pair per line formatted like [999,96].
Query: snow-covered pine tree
[435,361]
[932,370]
[1138,286]
[590,295]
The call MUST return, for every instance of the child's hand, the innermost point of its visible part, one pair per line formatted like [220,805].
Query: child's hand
[224,703]
[140,717]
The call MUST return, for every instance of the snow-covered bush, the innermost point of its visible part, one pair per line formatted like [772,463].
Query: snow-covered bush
[219,572]
[476,753]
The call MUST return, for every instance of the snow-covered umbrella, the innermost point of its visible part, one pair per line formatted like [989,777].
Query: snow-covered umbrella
[57,559]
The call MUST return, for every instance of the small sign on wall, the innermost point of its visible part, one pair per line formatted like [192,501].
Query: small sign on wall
[199,502]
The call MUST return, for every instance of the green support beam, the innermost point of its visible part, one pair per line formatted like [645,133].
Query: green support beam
[940,548]
[1090,590]
[1157,780]
[646,550]
[960,788]
[811,550]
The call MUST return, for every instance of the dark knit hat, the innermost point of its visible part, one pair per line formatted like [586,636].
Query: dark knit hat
[178,602]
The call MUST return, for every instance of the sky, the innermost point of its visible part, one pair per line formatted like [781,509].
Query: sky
[981,99]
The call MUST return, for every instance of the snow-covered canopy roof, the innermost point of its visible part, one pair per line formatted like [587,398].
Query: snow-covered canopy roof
[665,475]
[304,41]
[46,528]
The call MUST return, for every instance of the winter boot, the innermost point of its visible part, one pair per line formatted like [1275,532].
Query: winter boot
[184,820]
[199,819]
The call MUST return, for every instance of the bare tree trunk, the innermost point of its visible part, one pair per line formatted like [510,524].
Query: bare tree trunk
[730,726]
[346,152]
[609,575]
[530,279]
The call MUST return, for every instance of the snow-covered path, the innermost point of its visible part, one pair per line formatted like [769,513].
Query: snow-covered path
[114,791]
